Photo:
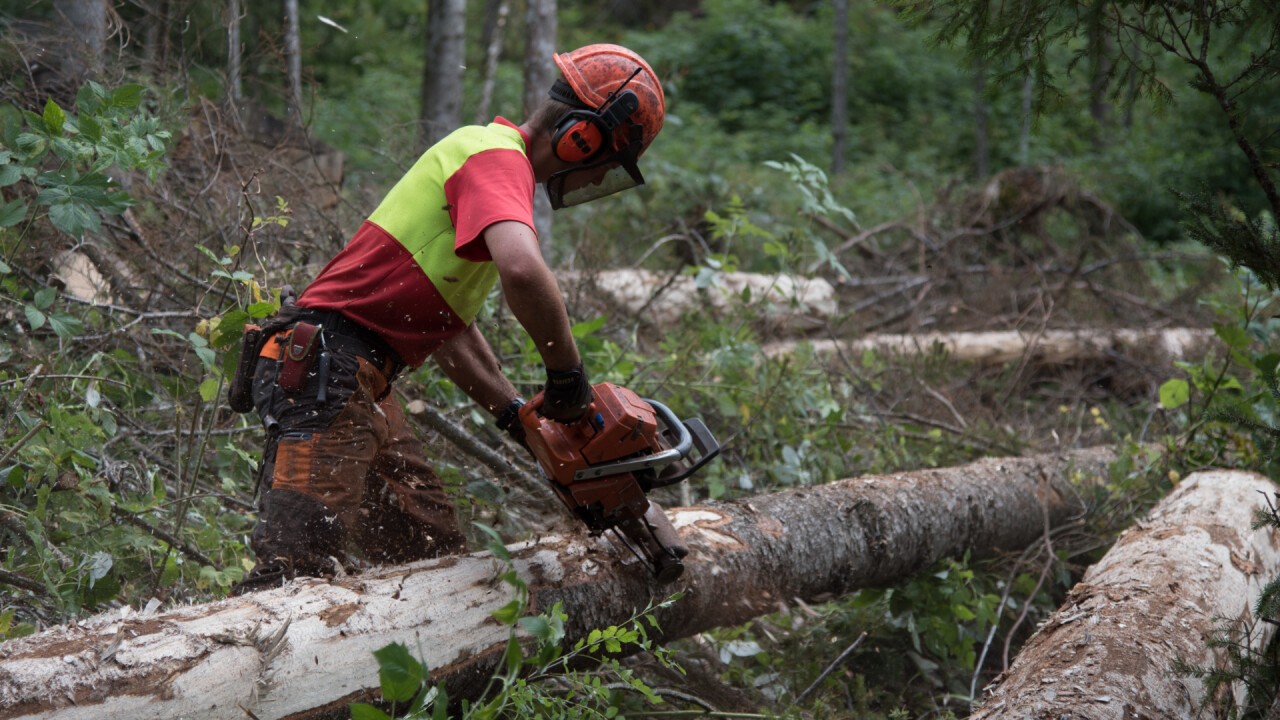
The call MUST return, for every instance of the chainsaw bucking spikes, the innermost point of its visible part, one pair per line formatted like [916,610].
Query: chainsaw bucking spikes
[602,466]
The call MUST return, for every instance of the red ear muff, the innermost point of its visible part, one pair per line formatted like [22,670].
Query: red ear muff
[578,137]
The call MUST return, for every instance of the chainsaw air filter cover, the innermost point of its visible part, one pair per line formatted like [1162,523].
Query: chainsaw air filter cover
[620,424]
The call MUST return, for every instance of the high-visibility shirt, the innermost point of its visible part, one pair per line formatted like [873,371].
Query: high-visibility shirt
[418,271]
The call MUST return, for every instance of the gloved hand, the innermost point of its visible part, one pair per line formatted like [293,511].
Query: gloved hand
[567,395]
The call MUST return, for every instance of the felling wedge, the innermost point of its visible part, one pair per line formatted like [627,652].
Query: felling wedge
[602,467]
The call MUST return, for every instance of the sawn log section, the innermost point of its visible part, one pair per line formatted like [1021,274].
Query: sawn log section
[303,651]
[1190,571]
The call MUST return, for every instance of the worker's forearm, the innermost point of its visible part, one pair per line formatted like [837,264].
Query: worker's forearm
[535,300]
[469,361]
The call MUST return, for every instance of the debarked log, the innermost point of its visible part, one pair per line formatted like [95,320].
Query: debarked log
[994,348]
[304,650]
[1123,642]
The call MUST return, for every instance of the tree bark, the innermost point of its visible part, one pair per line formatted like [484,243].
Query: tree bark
[293,57]
[1050,346]
[541,26]
[234,93]
[86,38]
[495,24]
[1118,646]
[442,72]
[303,651]
[840,87]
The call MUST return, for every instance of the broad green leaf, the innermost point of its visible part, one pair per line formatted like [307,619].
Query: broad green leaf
[35,318]
[44,297]
[586,328]
[440,707]
[228,329]
[514,656]
[1174,393]
[209,389]
[361,711]
[31,145]
[399,672]
[207,357]
[537,627]
[507,614]
[74,219]
[12,213]
[66,326]
[1234,336]
[90,98]
[126,96]
[90,129]
[9,174]
[261,309]
[54,117]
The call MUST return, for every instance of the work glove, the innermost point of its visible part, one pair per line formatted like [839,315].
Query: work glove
[567,395]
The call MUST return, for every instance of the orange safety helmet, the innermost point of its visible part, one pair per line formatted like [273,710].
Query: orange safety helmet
[597,71]
[618,110]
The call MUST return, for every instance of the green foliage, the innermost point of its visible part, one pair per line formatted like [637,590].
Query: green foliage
[1252,244]
[520,686]
[67,159]
[92,513]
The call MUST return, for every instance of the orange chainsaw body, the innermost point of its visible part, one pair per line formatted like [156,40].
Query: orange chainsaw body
[599,468]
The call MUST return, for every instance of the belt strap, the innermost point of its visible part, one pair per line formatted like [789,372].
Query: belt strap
[342,334]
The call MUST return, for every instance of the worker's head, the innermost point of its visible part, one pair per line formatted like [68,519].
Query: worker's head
[612,109]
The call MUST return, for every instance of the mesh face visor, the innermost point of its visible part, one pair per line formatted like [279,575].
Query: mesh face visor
[608,175]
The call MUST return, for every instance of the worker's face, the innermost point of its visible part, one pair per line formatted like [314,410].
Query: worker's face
[589,177]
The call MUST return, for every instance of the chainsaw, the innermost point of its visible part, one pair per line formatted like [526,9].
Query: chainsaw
[602,466]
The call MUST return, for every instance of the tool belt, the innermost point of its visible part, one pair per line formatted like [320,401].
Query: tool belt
[301,338]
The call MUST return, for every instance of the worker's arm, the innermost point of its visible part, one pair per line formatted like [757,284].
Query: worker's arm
[532,293]
[534,298]
[469,361]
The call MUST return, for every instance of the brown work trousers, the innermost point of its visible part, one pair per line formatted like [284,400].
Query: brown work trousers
[342,472]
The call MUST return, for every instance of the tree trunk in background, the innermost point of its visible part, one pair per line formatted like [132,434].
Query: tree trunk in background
[495,25]
[85,37]
[1101,65]
[293,57]
[1024,136]
[539,73]
[442,72]
[840,88]
[981,134]
[234,91]
[303,651]
[1170,584]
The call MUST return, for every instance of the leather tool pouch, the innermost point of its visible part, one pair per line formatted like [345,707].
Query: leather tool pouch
[240,394]
[299,356]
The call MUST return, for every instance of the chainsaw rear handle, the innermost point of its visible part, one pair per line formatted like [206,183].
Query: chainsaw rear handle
[689,434]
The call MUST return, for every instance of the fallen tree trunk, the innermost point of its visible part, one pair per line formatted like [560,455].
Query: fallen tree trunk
[1050,346]
[794,302]
[303,651]
[1117,647]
